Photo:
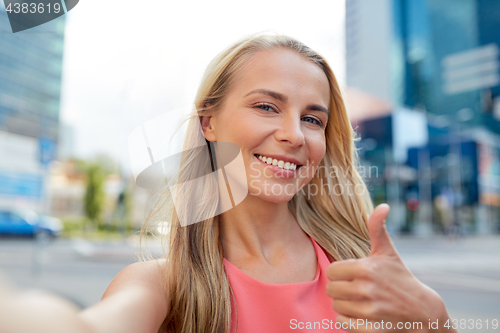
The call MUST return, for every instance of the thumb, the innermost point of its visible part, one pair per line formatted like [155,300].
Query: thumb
[379,237]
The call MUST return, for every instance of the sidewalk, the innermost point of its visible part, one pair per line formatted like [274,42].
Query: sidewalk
[117,250]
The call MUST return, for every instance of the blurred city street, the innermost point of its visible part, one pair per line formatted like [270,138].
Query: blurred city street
[77,269]
[464,271]
[91,108]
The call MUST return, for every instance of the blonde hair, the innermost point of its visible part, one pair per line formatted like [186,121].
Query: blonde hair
[198,288]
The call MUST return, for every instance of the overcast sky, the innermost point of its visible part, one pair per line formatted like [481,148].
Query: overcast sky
[126,62]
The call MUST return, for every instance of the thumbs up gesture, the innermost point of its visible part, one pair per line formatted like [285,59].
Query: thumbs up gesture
[379,293]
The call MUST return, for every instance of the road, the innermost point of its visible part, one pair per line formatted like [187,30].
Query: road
[74,268]
[465,272]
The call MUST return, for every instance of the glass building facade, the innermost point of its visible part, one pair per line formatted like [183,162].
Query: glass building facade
[440,58]
[30,89]
[427,34]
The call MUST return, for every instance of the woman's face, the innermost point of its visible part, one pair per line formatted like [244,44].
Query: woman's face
[278,110]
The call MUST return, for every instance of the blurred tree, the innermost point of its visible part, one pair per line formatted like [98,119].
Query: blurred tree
[124,209]
[80,166]
[94,195]
[108,165]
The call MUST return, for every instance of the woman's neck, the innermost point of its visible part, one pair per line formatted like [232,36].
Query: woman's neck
[258,230]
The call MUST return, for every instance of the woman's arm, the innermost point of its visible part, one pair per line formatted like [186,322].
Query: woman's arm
[135,301]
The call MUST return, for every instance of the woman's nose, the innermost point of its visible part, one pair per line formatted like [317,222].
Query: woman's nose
[291,131]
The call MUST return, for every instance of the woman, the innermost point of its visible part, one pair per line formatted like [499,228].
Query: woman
[296,251]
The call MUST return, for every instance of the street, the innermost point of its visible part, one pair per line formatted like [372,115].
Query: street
[74,268]
[465,272]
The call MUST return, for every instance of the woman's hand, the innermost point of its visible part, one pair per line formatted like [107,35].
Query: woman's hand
[381,289]
[37,311]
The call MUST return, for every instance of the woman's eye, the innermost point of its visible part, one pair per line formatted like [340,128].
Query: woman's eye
[265,107]
[314,121]
[269,108]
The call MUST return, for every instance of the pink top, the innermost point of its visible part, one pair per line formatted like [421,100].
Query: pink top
[289,307]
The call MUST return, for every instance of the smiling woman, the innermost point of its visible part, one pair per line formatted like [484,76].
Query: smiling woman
[264,262]
[292,251]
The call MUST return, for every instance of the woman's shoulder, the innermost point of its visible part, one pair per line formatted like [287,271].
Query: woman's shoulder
[147,274]
[147,281]
[151,270]
[135,299]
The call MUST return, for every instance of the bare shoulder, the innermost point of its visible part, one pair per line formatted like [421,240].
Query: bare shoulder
[148,274]
[135,301]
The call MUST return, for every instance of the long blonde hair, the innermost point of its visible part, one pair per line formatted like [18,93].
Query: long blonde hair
[196,282]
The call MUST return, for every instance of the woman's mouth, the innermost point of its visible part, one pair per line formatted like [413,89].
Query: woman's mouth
[281,164]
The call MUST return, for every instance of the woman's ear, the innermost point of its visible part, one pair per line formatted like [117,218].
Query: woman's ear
[207,127]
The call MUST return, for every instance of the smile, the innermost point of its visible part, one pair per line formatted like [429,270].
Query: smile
[286,165]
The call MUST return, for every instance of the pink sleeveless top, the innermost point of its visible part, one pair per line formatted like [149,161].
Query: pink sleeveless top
[290,307]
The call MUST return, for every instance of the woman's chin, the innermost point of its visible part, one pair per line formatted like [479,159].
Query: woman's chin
[273,197]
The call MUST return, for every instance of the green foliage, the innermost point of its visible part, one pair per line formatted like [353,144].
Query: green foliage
[96,171]
[72,224]
[108,164]
[124,209]
[81,165]
[94,194]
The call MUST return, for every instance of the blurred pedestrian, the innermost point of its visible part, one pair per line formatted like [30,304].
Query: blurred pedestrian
[445,213]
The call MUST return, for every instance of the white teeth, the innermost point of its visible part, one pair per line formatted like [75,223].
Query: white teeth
[280,163]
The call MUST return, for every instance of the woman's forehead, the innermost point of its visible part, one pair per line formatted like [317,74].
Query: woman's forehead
[283,69]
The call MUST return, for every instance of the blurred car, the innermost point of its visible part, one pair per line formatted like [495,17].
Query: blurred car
[30,224]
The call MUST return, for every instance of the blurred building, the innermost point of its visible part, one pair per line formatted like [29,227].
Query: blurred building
[30,86]
[388,133]
[67,185]
[439,58]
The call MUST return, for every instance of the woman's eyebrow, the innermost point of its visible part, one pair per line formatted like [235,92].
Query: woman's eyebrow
[282,98]
[273,94]
[315,107]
